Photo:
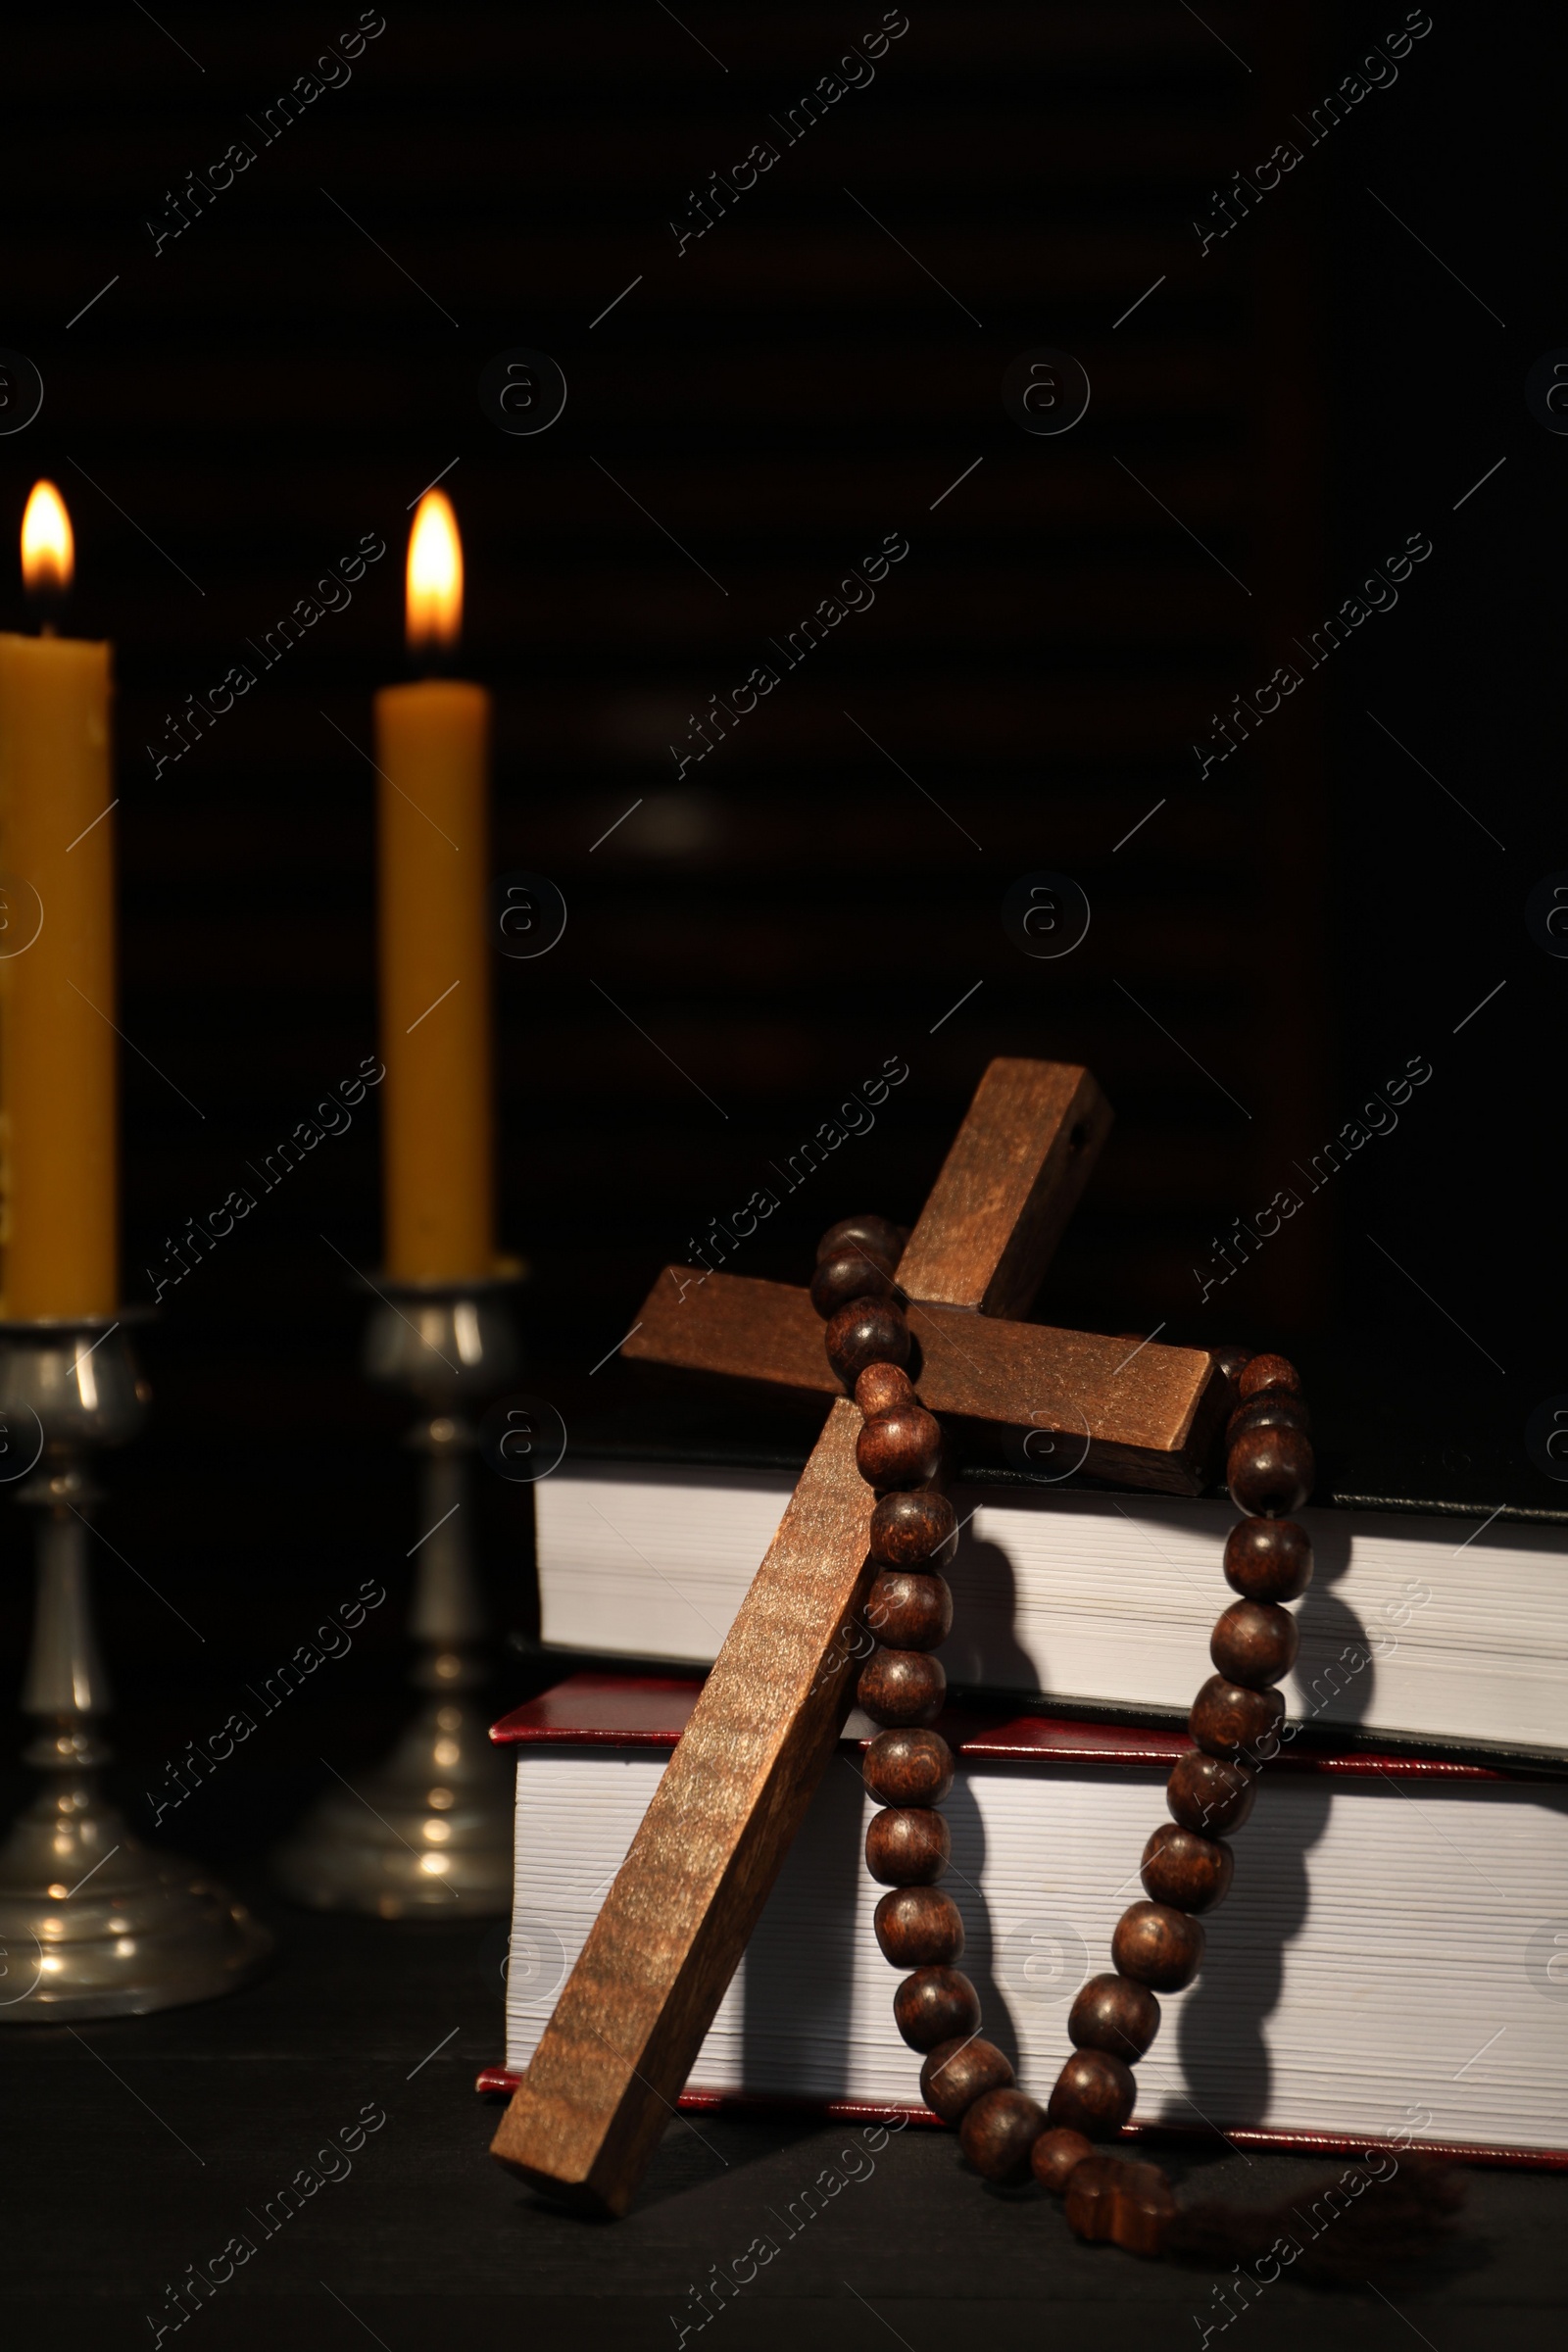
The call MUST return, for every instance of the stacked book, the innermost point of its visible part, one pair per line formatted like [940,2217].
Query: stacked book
[1392,1960]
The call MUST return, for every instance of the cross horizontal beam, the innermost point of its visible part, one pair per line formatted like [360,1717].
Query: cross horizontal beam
[1149,1413]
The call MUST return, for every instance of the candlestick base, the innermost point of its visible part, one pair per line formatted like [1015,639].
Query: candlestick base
[429,1831]
[92,1922]
[427,1834]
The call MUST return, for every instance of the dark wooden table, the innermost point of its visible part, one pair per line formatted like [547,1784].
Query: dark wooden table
[136,2148]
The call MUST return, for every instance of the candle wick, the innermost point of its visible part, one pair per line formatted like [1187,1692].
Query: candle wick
[47,597]
[430,658]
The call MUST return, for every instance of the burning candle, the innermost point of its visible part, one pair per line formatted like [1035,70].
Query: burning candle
[432,751]
[59,1206]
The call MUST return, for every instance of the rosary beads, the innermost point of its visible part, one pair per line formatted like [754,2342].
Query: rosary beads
[1185,1871]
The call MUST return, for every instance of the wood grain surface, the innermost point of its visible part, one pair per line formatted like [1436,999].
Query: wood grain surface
[618,2051]
[620,2044]
[1147,1415]
[1006,1187]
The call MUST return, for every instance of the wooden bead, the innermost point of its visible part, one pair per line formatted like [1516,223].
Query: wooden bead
[907,1845]
[910,1611]
[1266,1559]
[1113,2013]
[868,1331]
[1115,2201]
[1182,1868]
[914,1531]
[1255,1643]
[998,2133]
[1268,1372]
[918,1928]
[958,2073]
[902,1685]
[900,1448]
[1155,1943]
[1276,1408]
[838,1281]
[881,1386]
[1229,1720]
[908,1768]
[936,2004]
[878,1235]
[1231,1360]
[1209,1793]
[1270,1471]
[1054,2157]
[1095,2094]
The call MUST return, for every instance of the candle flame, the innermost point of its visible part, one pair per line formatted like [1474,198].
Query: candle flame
[435,574]
[48,549]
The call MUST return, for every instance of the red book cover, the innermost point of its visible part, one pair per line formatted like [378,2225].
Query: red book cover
[616,1710]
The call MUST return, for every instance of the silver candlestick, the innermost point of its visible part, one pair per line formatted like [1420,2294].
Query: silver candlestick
[92,1922]
[430,1831]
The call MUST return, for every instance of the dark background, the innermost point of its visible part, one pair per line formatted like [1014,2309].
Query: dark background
[227,420]
[234,412]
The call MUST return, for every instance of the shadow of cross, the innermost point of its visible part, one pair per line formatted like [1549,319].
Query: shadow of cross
[631,2018]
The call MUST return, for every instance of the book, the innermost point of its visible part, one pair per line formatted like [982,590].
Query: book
[1437,1621]
[1385,1967]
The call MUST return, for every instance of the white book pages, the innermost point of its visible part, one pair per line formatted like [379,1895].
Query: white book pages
[1424,1627]
[1392,1958]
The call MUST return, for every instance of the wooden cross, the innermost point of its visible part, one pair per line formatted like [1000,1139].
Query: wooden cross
[631,2018]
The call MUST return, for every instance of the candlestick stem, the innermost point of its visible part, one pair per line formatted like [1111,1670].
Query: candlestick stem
[92,1922]
[429,1831]
[447,1615]
[66,1682]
